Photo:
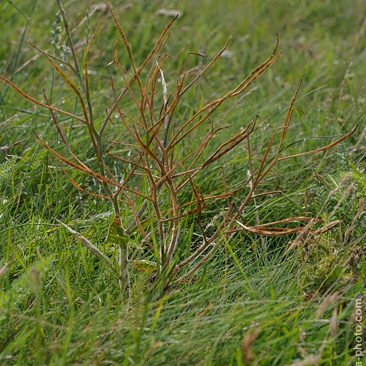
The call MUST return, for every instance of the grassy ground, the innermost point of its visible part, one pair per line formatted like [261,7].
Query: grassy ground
[255,302]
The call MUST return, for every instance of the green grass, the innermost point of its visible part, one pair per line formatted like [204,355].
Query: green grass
[255,302]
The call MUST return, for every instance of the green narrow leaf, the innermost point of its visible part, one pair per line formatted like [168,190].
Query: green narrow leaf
[116,235]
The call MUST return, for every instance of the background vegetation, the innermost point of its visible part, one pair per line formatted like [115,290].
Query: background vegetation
[256,302]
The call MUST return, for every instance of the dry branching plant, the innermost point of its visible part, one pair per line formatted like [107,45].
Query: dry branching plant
[157,172]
